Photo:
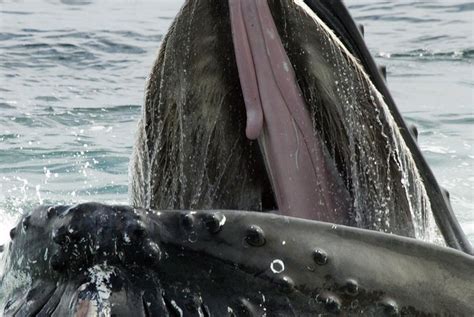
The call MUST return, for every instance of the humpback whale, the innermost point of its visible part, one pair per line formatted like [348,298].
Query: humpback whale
[277,105]
[272,175]
[99,260]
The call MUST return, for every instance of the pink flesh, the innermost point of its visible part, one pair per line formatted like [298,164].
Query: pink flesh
[305,182]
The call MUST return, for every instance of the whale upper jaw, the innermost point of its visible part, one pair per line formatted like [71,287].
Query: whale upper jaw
[98,260]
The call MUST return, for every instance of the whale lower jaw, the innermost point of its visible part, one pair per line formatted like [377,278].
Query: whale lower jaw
[99,260]
[329,147]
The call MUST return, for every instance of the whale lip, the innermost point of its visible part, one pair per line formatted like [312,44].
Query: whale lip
[305,181]
[290,196]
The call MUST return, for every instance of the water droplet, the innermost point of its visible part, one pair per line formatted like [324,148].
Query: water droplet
[277,266]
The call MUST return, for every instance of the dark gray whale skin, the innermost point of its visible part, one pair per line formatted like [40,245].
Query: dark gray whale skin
[224,263]
[336,14]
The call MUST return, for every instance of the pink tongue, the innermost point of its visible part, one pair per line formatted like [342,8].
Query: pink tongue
[305,182]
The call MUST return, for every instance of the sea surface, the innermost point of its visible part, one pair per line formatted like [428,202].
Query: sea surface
[73,72]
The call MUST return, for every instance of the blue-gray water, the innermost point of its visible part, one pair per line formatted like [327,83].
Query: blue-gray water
[72,76]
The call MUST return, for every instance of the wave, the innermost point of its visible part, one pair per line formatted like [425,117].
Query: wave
[429,55]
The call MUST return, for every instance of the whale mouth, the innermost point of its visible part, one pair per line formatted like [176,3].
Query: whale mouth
[294,76]
[305,180]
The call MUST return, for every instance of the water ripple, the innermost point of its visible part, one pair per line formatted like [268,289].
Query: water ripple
[428,55]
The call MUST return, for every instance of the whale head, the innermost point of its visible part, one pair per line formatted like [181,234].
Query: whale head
[98,260]
[275,106]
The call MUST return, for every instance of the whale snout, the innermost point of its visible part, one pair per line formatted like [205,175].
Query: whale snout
[79,255]
[99,260]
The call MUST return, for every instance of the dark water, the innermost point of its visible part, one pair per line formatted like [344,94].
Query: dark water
[72,77]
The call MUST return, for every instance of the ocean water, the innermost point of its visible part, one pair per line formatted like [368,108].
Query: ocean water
[73,72]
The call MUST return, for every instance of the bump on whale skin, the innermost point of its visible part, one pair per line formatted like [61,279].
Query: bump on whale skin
[121,261]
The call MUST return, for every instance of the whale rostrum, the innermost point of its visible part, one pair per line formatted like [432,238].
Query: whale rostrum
[119,261]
